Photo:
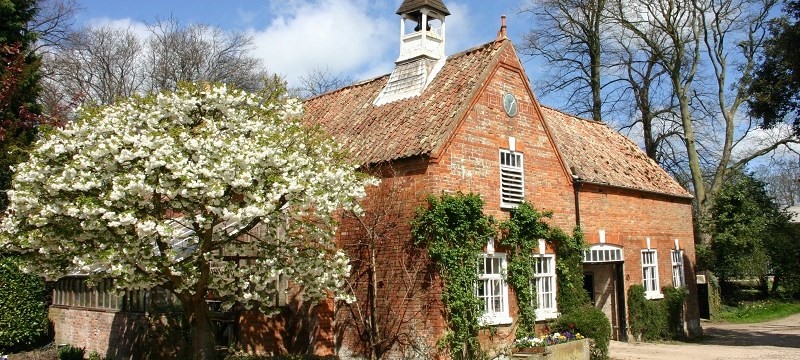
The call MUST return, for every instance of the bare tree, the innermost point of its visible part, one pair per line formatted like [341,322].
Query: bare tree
[670,29]
[321,80]
[389,276]
[722,19]
[568,34]
[676,69]
[645,98]
[200,52]
[783,181]
[53,22]
[690,38]
[98,65]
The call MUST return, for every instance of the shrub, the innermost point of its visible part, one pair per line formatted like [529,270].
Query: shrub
[70,352]
[590,322]
[647,318]
[673,302]
[656,319]
[23,311]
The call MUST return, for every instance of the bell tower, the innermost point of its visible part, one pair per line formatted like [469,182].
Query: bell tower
[422,40]
[422,29]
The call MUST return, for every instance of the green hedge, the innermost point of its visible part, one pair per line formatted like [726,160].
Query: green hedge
[590,322]
[23,311]
[656,319]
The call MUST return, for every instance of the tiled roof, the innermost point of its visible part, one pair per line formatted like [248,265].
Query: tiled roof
[421,125]
[601,155]
[404,128]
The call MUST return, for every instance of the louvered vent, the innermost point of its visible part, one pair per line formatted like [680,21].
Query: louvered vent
[512,179]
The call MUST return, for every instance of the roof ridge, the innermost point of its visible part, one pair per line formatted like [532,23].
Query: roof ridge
[350,86]
[379,77]
[574,116]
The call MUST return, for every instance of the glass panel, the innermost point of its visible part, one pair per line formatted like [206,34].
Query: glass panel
[496,289]
[497,305]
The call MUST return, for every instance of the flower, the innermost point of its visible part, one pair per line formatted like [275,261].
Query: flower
[546,340]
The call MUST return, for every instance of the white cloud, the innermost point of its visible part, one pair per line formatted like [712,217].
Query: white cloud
[338,34]
[246,16]
[359,38]
[759,138]
[460,26]
[137,27]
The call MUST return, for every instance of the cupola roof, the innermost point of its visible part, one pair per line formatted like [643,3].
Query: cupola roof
[411,5]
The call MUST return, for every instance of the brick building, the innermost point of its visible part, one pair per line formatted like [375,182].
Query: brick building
[467,122]
[470,122]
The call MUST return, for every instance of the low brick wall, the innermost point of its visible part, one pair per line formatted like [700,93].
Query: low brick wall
[573,350]
[119,335]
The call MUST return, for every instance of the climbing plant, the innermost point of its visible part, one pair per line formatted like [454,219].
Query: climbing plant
[521,234]
[569,270]
[455,231]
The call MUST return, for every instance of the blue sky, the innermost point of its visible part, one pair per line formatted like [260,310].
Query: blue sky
[359,38]
[355,37]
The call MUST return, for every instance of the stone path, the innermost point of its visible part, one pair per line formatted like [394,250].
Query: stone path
[779,339]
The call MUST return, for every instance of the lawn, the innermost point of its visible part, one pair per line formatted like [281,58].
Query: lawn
[757,311]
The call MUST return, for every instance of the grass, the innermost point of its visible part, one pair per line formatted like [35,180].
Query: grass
[757,311]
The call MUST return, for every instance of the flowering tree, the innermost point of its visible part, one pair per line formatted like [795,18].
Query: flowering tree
[166,190]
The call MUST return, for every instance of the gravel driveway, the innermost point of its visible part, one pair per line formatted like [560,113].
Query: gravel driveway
[779,339]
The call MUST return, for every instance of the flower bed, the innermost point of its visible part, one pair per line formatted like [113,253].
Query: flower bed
[556,346]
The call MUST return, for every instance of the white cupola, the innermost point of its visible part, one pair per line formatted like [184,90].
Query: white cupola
[422,40]
[416,15]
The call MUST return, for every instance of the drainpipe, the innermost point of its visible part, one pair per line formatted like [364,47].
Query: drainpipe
[576,186]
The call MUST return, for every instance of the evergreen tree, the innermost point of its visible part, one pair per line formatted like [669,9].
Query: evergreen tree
[775,87]
[749,234]
[19,87]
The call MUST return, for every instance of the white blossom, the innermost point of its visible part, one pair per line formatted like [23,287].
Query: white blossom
[145,189]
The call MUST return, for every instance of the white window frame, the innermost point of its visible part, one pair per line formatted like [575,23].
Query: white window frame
[542,276]
[512,178]
[495,289]
[652,287]
[678,276]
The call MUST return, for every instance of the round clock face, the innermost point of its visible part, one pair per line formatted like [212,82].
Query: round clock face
[510,104]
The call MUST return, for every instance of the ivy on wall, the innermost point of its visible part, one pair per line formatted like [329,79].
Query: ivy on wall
[652,320]
[569,271]
[521,234]
[455,231]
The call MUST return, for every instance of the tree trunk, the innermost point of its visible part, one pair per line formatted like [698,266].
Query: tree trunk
[374,333]
[201,329]
[775,283]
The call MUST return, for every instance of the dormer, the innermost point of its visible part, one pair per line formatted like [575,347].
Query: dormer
[422,34]
[422,29]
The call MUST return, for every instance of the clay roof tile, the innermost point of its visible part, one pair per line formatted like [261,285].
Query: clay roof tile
[601,155]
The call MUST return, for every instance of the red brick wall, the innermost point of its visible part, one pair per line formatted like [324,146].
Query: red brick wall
[298,329]
[469,163]
[408,305]
[119,335]
[629,218]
